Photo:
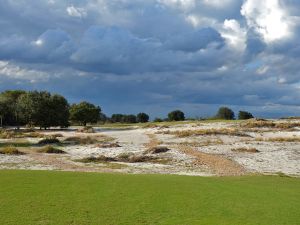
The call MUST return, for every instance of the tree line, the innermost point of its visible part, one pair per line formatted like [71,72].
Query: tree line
[44,110]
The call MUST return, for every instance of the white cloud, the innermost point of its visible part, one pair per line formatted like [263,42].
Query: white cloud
[217,3]
[262,70]
[234,35]
[268,18]
[180,4]
[16,72]
[76,12]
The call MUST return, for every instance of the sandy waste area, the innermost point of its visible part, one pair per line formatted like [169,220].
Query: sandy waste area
[194,148]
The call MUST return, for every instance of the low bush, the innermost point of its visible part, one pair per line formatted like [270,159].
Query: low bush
[51,150]
[108,145]
[243,149]
[157,150]
[98,159]
[81,140]
[223,131]
[49,140]
[11,151]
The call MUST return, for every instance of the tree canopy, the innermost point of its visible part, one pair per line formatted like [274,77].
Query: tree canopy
[176,115]
[142,118]
[225,113]
[84,112]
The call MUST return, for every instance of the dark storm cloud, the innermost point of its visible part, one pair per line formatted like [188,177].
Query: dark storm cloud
[155,55]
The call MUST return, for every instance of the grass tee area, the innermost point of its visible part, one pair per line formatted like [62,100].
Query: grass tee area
[68,198]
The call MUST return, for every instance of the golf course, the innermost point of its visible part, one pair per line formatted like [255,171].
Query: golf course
[62,198]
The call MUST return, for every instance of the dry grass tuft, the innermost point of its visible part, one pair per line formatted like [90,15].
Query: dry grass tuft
[51,150]
[270,124]
[98,159]
[88,140]
[279,139]
[9,134]
[108,145]
[11,151]
[157,150]
[223,131]
[49,140]
[246,150]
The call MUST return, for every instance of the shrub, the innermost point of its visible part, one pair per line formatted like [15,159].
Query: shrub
[11,151]
[157,150]
[51,150]
[158,120]
[225,114]
[49,140]
[243,149]
[243,115]
[176,115]
[98,159]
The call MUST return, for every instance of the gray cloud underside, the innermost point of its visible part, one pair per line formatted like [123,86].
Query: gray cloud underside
[155,55]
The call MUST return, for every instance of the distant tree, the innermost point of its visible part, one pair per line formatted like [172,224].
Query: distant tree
[142,118]
[84,113]
[225,114]
[10,111]
[103,118]
[116,118]
[129,119]
[158,120]
[243,115]
[43,109]
[176,115]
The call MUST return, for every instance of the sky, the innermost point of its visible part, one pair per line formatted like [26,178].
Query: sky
[154,56]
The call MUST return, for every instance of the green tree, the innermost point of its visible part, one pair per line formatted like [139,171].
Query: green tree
[43,109]
[243,115]
[10,110]
[116,118]
[176,115]
[129,119]
[84,113]
[142,118]
[225,113]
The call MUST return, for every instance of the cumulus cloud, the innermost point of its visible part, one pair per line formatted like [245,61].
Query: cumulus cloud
[76,12]
[157,54]
[268,18]
[234,34]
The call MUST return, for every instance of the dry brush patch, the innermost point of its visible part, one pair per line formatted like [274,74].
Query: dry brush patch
[202,132]
[51,150]
[245,150]
[279,139]
[269,124]
[125,158]
[10,151]
[88,140]
[218,164]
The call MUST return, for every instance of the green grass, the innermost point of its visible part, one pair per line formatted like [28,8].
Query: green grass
[63,198]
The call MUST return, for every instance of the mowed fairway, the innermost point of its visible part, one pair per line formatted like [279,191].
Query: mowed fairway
[68,198]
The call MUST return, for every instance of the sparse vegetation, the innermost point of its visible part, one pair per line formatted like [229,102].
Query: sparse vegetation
[10,150]
[157,150]
[51,150]
[279,139]
[223,131]
[244,149]
[108,145]
[49,140]
[88,140]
